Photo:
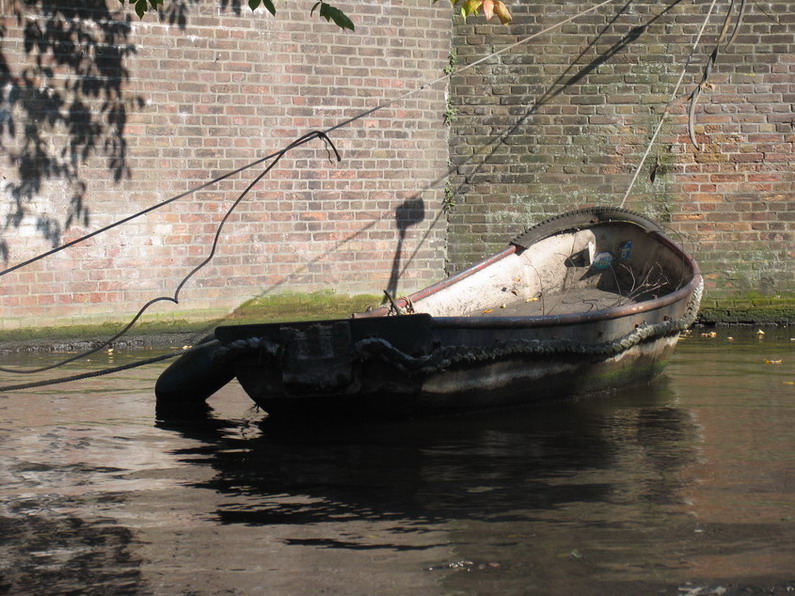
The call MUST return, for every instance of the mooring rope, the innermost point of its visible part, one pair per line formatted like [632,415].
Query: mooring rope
[106,371]
[276,156]
[175,298]
[668,106]
[713,58]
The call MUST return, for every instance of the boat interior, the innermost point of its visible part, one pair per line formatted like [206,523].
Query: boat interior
[597,268]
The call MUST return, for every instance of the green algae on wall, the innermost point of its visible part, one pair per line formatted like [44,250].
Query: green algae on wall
[748,309]
[301,306]
[267,309]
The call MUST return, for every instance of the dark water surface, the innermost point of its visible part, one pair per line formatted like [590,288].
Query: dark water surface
[686,487]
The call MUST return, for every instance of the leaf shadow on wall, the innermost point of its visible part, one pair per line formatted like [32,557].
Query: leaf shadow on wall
[176,12]
[62,104]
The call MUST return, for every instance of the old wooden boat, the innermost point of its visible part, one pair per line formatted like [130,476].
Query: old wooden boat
[584,302]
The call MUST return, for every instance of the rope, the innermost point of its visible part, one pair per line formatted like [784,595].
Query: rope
[668,106]
[105,371]
[713,58]
[175,298]
[276,156]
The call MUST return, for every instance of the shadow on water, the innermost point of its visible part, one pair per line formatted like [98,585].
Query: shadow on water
[497,466]
[46,554]
[684,486]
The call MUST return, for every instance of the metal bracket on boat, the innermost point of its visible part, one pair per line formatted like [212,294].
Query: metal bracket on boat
[317,357]
[396,309]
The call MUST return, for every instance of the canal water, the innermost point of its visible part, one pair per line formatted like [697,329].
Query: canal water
[684,487]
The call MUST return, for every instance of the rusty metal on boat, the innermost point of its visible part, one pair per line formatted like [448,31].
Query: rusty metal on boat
[584,302]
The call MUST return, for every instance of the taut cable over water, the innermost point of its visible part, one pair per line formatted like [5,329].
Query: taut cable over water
[696,91]
[276,157]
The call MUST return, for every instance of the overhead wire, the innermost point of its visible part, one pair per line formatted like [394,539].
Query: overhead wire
[668,106]
[175,298]
[276,156]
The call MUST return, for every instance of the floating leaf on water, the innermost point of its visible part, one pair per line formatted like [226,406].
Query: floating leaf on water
[760,332]
[779,361]
[480,489]
[710,334]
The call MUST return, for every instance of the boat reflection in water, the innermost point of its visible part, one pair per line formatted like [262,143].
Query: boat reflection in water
[681,486]
[518,496]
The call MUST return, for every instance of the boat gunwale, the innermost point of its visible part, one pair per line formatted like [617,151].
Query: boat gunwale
[548,320]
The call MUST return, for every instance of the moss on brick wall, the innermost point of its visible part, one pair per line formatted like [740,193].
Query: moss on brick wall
[563,121]
[166,106]
[270,309]
[748,309]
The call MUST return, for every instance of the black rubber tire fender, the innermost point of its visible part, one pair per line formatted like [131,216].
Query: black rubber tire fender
[580,219]
[192,378]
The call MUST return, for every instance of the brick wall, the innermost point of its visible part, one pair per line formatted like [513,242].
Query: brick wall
[102,115]
[562,121]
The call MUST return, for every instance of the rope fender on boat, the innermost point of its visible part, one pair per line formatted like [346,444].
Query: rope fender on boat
[444,357]
[229,352]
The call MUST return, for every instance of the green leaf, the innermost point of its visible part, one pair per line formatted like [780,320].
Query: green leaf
[269,6]
[331,13]
[141,8]
[471,6]
[252,4]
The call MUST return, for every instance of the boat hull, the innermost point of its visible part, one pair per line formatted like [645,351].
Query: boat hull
[419,364]
[385,390]
[583,303]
